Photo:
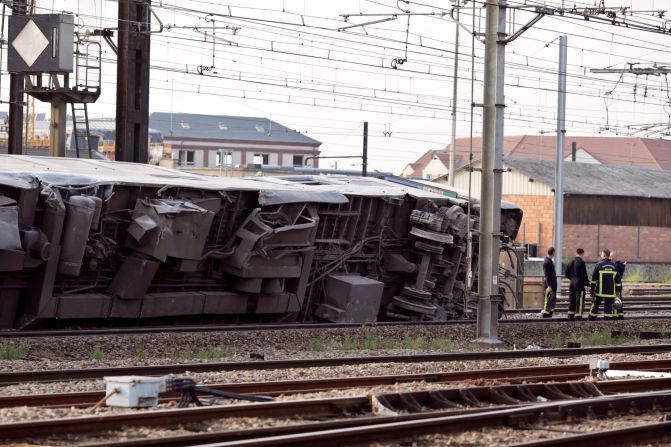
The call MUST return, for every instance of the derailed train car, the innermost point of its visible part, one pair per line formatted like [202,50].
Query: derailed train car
[92,240]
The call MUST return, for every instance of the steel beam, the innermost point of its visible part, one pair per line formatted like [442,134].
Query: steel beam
[16,92]
[364,156]
[132,117]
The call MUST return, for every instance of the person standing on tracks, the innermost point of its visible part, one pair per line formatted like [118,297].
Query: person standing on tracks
[606,284]
[620,266]
[550,283]
[576,273]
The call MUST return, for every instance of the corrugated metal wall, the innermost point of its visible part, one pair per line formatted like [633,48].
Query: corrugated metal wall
[513,183]
[609,210]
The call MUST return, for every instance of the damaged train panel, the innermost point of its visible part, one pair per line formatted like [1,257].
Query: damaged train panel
[91,240]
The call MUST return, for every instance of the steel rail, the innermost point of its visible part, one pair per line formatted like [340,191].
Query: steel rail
[14,377]
[409,429]
[273,388]
[628,436]
[344,432]
[272,326]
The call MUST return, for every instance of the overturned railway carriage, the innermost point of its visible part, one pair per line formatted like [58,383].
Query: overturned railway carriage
[101,240]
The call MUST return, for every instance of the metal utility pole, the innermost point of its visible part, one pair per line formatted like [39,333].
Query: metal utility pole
[559,169]
[16,86]
[492,167]
[132,114]
[364,165]
[57,133]
[453,143]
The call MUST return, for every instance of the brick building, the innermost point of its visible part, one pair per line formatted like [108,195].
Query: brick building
[618,151]
[627,209]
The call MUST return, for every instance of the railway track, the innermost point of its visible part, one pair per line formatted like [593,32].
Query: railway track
[14,377]
[351,421]
[11,334]
[275,388]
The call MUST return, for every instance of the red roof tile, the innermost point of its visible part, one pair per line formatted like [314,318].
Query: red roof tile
[619,151]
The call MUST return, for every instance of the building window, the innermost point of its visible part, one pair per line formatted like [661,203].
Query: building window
[261,159]
[224,158]
[298,160]
[186,158]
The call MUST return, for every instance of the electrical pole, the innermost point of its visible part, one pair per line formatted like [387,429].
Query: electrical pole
[132,103]
[16,91]
[559,169]
[364,166]
[492,167]
[453,143]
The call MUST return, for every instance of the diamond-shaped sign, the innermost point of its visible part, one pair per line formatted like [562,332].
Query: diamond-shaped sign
[30,43]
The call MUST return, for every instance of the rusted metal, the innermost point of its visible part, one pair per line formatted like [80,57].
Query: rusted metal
[87,424]
[407,428]
[636,435]
[82,332]
[427,416]
[8,378]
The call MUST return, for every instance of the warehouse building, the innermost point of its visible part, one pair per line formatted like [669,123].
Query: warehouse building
[617,151]
[624,208]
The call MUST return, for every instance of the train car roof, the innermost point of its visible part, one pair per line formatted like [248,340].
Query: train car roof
[21,170]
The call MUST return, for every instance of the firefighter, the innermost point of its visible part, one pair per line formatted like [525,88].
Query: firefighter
[620,266]
[576,272]
[606,284]
[550,283]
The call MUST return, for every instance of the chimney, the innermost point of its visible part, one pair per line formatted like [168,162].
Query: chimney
[573,151]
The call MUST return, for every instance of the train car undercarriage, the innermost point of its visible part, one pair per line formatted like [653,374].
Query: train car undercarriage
[91,240]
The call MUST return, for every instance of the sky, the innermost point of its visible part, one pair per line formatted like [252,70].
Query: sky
[291,61]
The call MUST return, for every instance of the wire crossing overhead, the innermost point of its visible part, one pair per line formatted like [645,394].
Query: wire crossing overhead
[655,70]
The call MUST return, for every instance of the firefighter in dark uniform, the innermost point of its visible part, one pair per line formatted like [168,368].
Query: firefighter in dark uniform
[576,272]
[620,266]
[550,283]
[606,284]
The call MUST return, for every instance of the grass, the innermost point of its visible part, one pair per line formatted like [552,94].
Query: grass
[318,345]
[97,354]
[666,278]
[601,338]
[12,351]
[442,344]
[373,342]
[557,342]
[634,277]
[213,353]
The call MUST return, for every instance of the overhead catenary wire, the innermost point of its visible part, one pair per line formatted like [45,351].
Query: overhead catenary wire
[582,85]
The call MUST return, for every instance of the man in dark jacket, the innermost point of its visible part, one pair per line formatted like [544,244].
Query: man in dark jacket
[550,283]
[620,266]
[606,284]
[576,272]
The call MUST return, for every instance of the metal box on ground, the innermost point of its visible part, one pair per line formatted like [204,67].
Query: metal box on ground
[533,293]
[133,391]
[351,299]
